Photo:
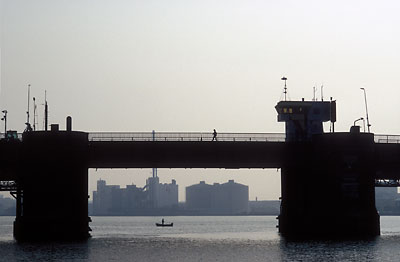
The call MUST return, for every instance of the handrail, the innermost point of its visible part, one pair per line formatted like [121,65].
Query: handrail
[387,182]
[387,139]
[186,136]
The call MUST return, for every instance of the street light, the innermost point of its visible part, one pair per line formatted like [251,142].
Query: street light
[284,89]
[366,107]
[4,118]
[363,124]
[358,120]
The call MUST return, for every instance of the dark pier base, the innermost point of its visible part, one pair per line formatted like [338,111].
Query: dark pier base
[52,198]
[328,190]
[329,227]
[49,229]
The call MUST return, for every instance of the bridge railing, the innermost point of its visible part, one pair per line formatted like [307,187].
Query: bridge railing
[387,139]
[208,136]
[387,182]
[8,186]
[188,136]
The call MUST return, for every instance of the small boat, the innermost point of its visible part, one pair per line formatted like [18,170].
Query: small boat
[162,224]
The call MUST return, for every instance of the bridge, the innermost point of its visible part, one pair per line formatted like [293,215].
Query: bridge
[327,179]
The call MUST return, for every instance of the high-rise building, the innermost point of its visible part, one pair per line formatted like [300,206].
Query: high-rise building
[387,200]
[107,199]
[225,199]
[199,197]
[132,200]
[162,195]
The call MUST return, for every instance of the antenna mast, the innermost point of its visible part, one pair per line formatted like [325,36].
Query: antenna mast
[28,125]
[285,88]
[46,111]
[314,91]
[29,97]
[34,114]
[322,92]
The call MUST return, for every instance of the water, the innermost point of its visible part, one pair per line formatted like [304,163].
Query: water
[239,238]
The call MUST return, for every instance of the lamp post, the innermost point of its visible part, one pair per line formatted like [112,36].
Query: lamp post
[358,120]
[364,124]
[366,108]
[4,118]
[285,88]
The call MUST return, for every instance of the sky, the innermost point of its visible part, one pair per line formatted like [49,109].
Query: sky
[184,65]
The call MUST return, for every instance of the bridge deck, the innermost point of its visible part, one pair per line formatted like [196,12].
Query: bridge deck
[186,154]
[196,150]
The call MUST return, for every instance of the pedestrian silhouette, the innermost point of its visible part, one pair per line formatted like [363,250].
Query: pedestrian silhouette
[214,135]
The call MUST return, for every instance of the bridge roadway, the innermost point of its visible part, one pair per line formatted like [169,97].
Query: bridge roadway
[232,150]
[186,154]
[185,150]
[387,157]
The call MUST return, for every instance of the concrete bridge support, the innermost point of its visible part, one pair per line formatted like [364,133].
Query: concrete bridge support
[52,199]
[328,188]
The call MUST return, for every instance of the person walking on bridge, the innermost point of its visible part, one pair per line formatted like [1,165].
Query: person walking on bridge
[214,136]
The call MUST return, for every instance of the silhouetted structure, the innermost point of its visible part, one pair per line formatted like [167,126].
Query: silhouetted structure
[387,201]
[7,206]
[218,199]
[162,195]
[52,176]
[327,189]
[333,173]
[264,207]
[154,198]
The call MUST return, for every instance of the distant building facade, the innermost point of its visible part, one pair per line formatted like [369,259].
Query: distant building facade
[133,200]
[387,200]
[162,195]
[218,199]
[264,207]
[7,206]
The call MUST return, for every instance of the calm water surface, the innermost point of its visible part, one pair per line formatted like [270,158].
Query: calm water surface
[199,239]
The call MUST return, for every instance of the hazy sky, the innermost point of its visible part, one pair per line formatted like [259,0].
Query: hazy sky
[197,65]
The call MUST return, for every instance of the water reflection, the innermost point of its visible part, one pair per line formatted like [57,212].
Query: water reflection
[240,239]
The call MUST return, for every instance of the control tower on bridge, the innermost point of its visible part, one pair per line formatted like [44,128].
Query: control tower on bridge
[305,118]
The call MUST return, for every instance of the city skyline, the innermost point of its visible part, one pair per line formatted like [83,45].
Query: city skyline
[187,177]
[229,198]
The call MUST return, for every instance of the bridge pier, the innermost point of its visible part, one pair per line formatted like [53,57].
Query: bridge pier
[328,188]
[52,195]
